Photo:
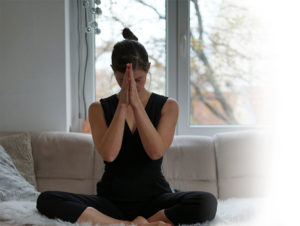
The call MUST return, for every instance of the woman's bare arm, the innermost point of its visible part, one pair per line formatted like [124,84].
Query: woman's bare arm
[108,141]
[156,142]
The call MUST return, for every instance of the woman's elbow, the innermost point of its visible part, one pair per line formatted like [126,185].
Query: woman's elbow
[156,155]
[159,153]
[109,159]
[105,157]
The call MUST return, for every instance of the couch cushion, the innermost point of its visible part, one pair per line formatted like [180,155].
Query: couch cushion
[18,146]
[241,163]
[64,161]
[189,164]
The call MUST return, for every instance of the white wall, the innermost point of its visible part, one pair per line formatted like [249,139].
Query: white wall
[34,77]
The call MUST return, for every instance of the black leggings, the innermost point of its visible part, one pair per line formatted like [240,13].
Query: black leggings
[180,208]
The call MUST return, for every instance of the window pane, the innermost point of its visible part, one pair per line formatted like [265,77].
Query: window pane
[226,82]
[146,19]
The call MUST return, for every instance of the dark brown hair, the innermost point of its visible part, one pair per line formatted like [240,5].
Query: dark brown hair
[129,51]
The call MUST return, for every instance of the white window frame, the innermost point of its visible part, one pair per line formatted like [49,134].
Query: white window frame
[178,51]
[82,64]
[177,72]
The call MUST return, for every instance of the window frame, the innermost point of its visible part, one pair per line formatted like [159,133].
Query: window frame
[82,51]
[177,72]
[178,55]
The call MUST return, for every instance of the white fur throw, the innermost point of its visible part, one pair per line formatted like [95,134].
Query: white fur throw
[235,212]
[12,185]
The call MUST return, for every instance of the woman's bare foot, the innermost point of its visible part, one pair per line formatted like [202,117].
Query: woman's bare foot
[141,221]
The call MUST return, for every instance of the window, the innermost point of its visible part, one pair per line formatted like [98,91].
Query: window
[147,20]
[221,85]
[224,86]
[205,54]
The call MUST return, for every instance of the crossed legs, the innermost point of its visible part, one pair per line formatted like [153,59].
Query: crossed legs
[169,208]
[88,208]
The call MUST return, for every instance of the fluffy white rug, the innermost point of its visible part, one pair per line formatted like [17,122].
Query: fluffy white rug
[237,212]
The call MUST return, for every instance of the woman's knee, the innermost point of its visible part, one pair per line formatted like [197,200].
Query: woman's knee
[43,201]
[207,206]
[203,205]
[211,204]
[194,207]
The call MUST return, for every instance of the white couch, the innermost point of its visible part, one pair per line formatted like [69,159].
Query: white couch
[229,165]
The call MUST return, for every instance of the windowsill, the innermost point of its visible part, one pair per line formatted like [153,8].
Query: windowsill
[211,130]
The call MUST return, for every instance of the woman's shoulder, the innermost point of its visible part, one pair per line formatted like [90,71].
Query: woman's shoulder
[96,105]
[169,104]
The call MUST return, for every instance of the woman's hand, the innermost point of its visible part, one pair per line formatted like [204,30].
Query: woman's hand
[134,98]
[124,93]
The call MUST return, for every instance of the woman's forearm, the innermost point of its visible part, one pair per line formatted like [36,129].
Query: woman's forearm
[151,139]
[111,142]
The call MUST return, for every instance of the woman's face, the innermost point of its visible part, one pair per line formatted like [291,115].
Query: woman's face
[139,77]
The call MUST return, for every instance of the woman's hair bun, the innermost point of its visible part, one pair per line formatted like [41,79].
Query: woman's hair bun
[127,34]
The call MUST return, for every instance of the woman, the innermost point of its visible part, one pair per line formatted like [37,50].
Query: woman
[131,130]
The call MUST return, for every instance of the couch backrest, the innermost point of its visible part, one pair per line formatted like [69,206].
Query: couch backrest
[69,162]
[227,165]
[189,164]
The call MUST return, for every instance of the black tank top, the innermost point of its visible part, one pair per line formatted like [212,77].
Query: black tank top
[133,175]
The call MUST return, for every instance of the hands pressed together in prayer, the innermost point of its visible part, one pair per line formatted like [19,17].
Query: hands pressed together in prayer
[129,94]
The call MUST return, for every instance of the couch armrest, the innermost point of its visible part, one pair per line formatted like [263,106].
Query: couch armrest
[242,163]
